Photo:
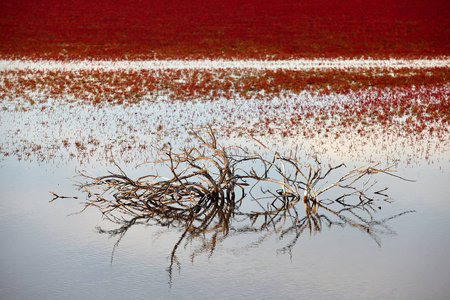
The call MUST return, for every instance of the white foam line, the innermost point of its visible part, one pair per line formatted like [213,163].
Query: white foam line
[298,64]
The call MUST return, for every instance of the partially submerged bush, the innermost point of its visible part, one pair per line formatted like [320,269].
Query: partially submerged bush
[208,184]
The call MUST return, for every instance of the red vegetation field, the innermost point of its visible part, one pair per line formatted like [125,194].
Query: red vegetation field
[127,87]
[418,99]
[335,109]
[274,29]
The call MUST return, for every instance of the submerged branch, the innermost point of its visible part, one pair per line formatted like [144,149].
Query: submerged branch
[200,195]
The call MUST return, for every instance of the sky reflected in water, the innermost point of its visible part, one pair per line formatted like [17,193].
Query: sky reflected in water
[47,254]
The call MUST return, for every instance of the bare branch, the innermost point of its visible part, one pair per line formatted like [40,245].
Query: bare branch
[200,195]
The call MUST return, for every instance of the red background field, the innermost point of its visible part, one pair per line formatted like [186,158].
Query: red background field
[67,29]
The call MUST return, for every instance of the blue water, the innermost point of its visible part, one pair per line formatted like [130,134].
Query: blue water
[46,254]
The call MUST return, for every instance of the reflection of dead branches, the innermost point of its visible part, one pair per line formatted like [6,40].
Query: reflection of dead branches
[56,196]
[287,221]
[200,195]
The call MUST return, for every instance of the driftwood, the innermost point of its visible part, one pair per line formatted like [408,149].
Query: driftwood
[208,184]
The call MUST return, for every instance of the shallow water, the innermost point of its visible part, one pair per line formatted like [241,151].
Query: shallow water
[47,254]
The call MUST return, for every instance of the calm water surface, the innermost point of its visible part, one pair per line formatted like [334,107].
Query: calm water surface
[46,254]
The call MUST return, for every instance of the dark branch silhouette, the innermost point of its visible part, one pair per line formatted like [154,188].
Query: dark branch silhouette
[208,183]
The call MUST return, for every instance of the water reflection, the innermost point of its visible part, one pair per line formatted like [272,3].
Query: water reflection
[220,218]
[211,193]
